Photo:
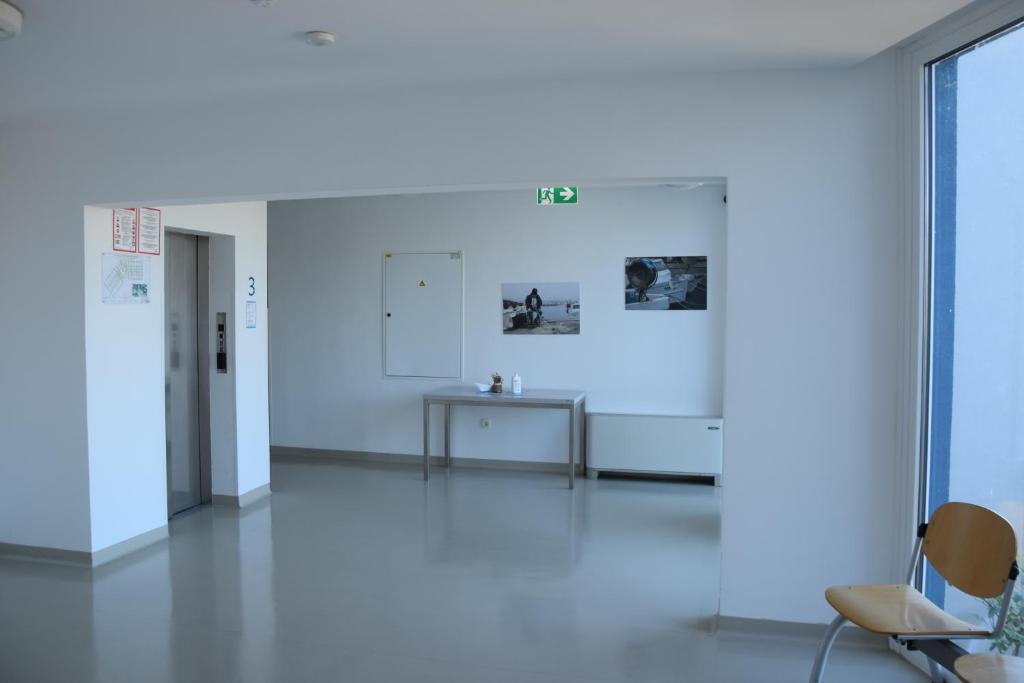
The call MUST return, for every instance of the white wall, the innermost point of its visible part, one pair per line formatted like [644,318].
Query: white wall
[125,375]
[811,333]
[223,416]
[124,351]
[44,468]
[325,283]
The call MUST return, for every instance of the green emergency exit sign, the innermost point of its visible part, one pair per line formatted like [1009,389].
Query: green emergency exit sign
[557,195]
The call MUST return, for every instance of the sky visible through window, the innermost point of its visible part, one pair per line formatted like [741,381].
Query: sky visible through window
[977,412]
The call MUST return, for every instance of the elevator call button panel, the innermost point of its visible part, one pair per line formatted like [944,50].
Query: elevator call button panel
[222,346]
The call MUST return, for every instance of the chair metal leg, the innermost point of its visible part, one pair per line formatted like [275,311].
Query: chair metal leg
[936,672]
[825,647]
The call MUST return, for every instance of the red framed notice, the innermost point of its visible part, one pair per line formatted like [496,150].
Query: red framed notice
[126,230]
[149,231]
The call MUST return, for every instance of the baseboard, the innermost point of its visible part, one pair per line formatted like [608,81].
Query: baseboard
[83,558]
[244,500]
[295,453]
[128,546]
[285,453]
[850,636]
[35,553]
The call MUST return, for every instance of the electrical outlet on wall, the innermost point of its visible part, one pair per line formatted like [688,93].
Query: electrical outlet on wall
[485,423]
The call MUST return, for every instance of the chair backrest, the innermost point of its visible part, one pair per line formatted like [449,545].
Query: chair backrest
[972,548]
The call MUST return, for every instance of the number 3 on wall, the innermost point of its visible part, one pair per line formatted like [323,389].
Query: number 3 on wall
[252,286]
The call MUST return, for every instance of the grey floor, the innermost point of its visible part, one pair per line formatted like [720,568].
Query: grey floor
[362,573]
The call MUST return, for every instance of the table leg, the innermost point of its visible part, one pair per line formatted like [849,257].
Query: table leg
[426,439]
[582,417]
[572,445]
[448,435]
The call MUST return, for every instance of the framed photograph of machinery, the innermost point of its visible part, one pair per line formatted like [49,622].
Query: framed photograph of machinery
[666,283]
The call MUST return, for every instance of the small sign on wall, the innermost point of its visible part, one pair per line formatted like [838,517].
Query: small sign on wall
[137,231]
[547,196]
[149,231]
[250,315]
[126,230]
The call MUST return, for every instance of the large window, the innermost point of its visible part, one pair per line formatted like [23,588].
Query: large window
[976,378]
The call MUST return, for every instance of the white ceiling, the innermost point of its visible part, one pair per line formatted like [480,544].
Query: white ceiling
[91,52]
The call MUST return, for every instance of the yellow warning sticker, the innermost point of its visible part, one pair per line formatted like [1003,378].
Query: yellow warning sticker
[422,283]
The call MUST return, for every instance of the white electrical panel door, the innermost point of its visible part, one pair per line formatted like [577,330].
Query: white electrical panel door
[423,315]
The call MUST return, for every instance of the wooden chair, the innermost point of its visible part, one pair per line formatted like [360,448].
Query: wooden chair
[990,668]
[973,549]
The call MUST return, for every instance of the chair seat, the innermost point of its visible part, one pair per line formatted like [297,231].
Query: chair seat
[897,610]
[989,668]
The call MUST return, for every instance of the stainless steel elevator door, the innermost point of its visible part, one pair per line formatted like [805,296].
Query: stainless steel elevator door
[181,327]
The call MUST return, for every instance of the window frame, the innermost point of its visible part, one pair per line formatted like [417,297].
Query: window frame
[931,181]
[963,30]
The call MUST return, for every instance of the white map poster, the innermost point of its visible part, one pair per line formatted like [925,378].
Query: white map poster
[125,279]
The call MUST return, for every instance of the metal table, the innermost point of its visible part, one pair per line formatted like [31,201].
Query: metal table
[562,399]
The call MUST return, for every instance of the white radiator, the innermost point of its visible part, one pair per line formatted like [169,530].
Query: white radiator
[657,444]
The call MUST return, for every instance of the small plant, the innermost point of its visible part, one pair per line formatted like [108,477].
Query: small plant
[1012,637]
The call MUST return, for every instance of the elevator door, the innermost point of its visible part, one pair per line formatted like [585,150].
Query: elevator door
[181,327]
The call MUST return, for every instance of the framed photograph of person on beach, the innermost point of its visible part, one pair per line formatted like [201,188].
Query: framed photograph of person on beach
[540,308]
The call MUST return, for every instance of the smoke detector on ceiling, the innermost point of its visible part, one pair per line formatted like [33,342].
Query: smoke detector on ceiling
[319,38]
[10,20]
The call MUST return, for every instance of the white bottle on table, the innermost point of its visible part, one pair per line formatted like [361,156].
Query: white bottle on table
[517,384]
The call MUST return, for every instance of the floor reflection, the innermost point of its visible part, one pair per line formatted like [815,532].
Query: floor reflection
[366,573]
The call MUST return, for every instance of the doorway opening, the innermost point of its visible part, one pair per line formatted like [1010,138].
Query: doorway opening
[187,371]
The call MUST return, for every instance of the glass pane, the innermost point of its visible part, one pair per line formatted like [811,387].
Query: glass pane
[976,431]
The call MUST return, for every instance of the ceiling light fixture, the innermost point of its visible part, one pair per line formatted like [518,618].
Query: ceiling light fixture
[10,20]
[319,38]
[262,3]
[683,186]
